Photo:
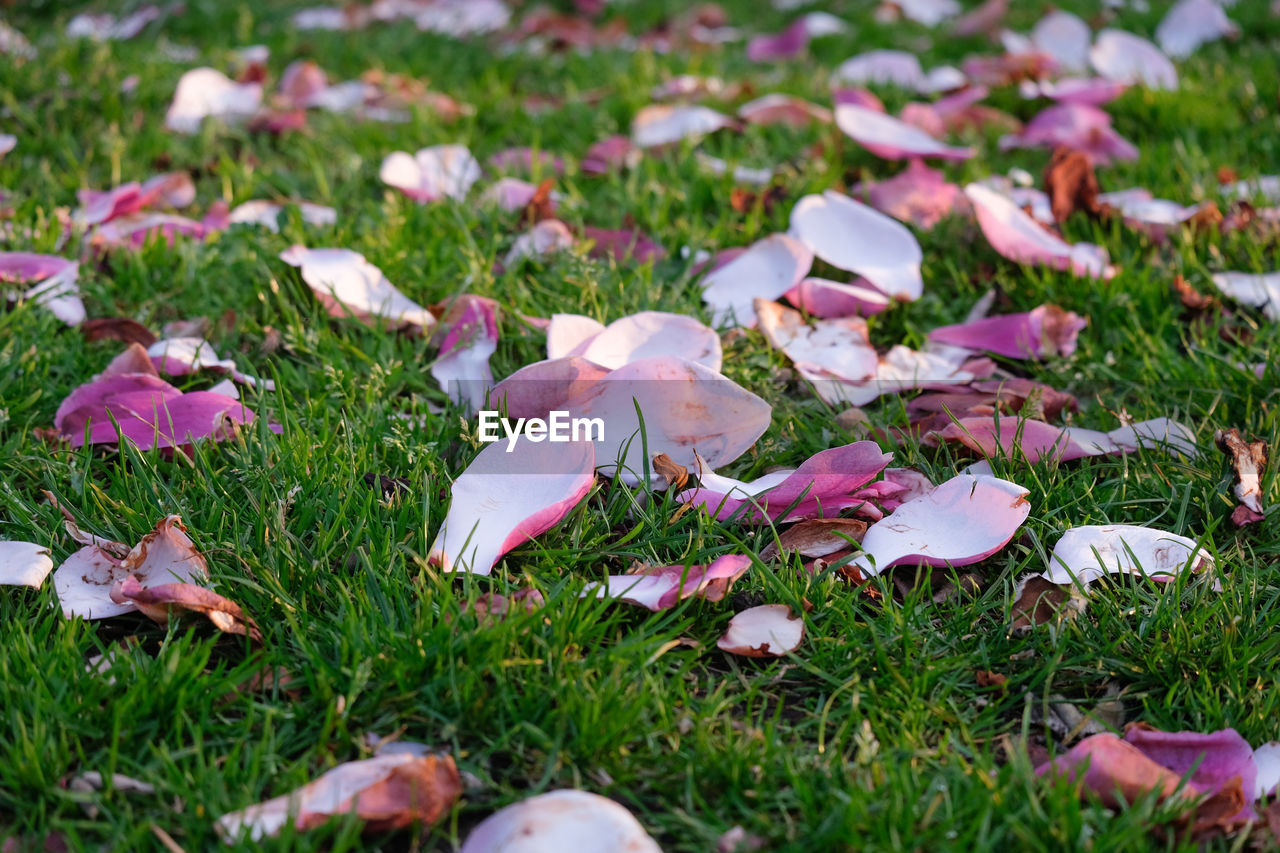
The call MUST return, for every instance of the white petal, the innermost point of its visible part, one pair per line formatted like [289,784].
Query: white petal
[565,821]
[24,564]
[1087,553]
[768,630]
[852,236]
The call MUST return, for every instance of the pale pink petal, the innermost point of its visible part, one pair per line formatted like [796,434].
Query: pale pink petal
[823,298]
[1265,187]
[1208,760]
[565,820]
[612,154]
[537,389]
[766,270]
[1118,772]
[136,229]
[544,238]
[24,564]
[785,109]
[509,494]
[174,189]
[653,333]
[665,587]
[787,44]
[1191,23]
[1126,58]
[511,194]
[664,124]
[463,18]
[1064,37]
[106,27]
[881,67]
[918,194]
[858,98]
[165,555]
[891,138]
[622,244]
[267,214]
[1018,237]
[1094,91]
[840,347]
[765,631]
[434,173]
[303,80]
[1084,554]
[1266,759]
[7,143]
[569,334]
[1011,436]
[205,92]
[1075,125]
[1039,333]
[929,12]
[350,285]
[1259,290]
[180,356]
[852,236]
[470,338]
[962,521]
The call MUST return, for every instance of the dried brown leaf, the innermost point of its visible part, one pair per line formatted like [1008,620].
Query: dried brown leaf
[117,329]
[676,475]
[1039,601]
[818,537]
[1248,462]
[1071,185]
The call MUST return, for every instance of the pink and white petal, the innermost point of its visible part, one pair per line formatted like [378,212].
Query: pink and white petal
[1191,23]
[462,367]
[740,173]
[900,369]
[766,270]
[544,238]
[826,299]
[59,294]
[1064,37]
[664,587]
[24,564]
[1016,236]
[766,631]
[891,138]
[179,356]
[1258,290]
[841,347]
[267,214]
[665,124]
[539,388]
[1084,554]
[463,18]
[508,495]
[852,236]
[1076,125]
[7,143]
[510,194]
[778,108]
[558,821]
[880,67]
[1014,437]
[858,98]
[355,285]
[1094,91]
[929,12]
[1211,760]
[434,173]
[962,521]
[918,195]
[1126,58]
[206,92]
[653,333]
[622,244]
[1041,332]
[612,154]
[570,334]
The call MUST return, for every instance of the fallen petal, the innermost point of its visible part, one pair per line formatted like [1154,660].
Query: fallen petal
[767,631]
[918,195]
[1126,58]
[348,284]
[1084,554]
[162,602]
[783,109]
[1078,126]
[1248,462]
[267,214]
[823,298]
[1210,761]
[569,334]
[1191,23]
[1018,237]
[24,564]
[1040,333]
[54,286]
[1259,290]
[206,92]
[850,235]
[558,821]
[881,67]
[891,138]
[767,269]
[470,338]
[664,124]
[664,587]
[1064,37]
[652,333]
[434,173]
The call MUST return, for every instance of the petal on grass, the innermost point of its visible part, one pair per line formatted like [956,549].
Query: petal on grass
[1259,290]
[434,173]
[1064,37]
[1084,554]
[507,496]
[918,195]
[1209,760]
[892,138]
[661,588]
[779,108]
[823,298]
[1079,126]
[1248,462]
[469,339]
[767,269]
[347,284]
[565,820]
[1018,237]
[766,631]
[390,791]
[569,334]
[881,67]
[664,124]
[180,356]
[267,214]
[544,238]
[652,333]
[1043,332]
[163,602]
[54,287]
[1126,58]
[1191,23]
[852,236]
[24,564]
[206,92]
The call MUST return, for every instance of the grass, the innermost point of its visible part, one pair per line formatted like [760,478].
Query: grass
[873,736]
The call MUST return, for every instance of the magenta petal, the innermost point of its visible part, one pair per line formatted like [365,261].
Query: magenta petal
[462,367]
[1094,91]
[664,588]
[1075,125]
[612,154]
[1016,335]
[822,298]
[891,138]
[787,44]
[918,195]
[1218,757]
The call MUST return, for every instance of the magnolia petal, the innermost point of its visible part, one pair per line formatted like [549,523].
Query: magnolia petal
[664,124]
[891,138]
[823,298]
[1042,332]
[463,18]
[55,287]
[206,92]
[840,347]
[389,791]
[1259,290]
[539,388]
[881,67]
[24,564]
[901,368]
[767,269]
[1018,237]
[470,339]
[1266,759]
[569,334]
[622,244]
[434,173]
[918,195]
[1117,771]
[1084,554]
[766,631]
[1079,126]
[1064,37]
[612,154]
[652,333]
[1208,760]
[1094,91]
[1191,23]
[180,356]
[559,821]
[174,189]
[852,236]
[165,555]
[962,521]
[1248,462]
[741,174]
[817,537]
[664,587]
[508,495]
[929,12]
[544,238]
[785,109]
[1126,58]
[267,214]
[349,284]
[162,602]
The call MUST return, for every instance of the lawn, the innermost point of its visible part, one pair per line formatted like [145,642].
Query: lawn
[875,734]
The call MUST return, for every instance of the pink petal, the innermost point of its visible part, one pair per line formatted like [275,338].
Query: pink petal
[623,244]
[665,587]
[787,44]
[1064,37]
[55,285]
[169,190]
[612,154]
[165,555]
[891,138]
[664,124]
[857,98]
[470,339]
[434,173]
[136,229]
[94,399]
[267,214]
[1116,771]
[1039,333]
[349,284]
[1191,23]
[544,386]
[507,497]
[1084,554]
[510,194]
[820,297]
[822,486]
[881,67]
[180,356]
[205,92]
[1217,758]
[303,80]
[918,194]
[1081,126]
[544,238]
[653,333]
[783,109]
[569,334]
[1016,236]
[767,269]
[1094,91]
[962,521]
[929,12]
[766,631]
[24,564]
[1126,58]
[565,820]
[850,235]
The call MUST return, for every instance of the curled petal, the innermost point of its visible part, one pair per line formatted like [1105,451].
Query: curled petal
[1019,238]
[850,235]
[664,587]
[561,820]
[348,284]
[24,564]
[766,631]
[1084,554]
[767,269]
[891,138]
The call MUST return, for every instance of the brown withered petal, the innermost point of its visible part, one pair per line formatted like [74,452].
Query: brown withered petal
[675,474]
[1191,298]
[817,537]
[987,678]
[1039,601]
[1071,184]
[390,486]
[541,206]
[1248,462]
[1227,175]
[162,602]
[117,329]
[1207,219]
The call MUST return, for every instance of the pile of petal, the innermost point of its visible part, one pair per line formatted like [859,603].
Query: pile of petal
[1014,437]
[52,280]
